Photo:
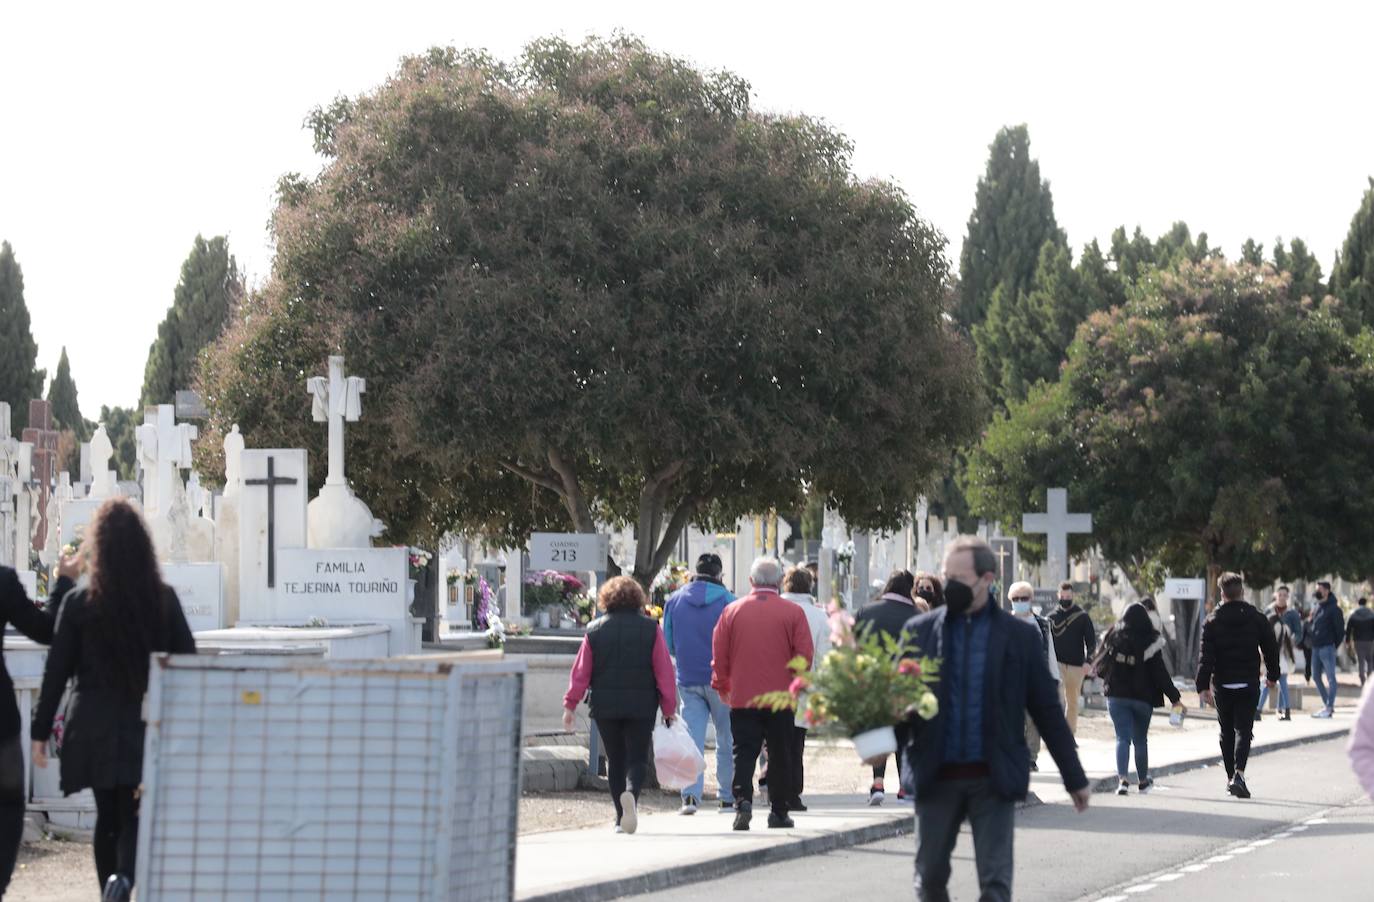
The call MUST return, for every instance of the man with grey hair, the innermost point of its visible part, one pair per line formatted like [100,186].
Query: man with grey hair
[753,642]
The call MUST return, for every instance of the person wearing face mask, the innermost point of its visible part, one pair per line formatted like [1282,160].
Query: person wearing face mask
[1075,640]
[929,591]
[1137,683]
[970,761]
[1022,596]
[1328,628]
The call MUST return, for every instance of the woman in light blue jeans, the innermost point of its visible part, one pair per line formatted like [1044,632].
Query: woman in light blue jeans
[1132,664]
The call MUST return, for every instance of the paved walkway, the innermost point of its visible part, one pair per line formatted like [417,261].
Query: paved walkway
[576,865]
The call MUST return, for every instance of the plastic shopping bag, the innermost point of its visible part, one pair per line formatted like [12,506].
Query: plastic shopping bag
[677,759]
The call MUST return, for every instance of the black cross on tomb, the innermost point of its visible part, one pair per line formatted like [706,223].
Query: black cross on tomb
[272,481]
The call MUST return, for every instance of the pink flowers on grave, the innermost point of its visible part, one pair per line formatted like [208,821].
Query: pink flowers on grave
[841,627]
[909,667]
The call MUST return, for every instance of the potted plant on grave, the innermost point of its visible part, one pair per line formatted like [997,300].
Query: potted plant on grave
[863,687]
[548,594]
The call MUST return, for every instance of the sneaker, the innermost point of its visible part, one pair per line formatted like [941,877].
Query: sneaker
[796,805]
[727,805]
[1322,713]
[744,813]
[777,821]
[1146,785]
[1287,714]
[629,818]
[875,796]
[1237,786]
[689,805]
[1123,788]
[1259,714]
[619,829]
[902,796]
[117,889]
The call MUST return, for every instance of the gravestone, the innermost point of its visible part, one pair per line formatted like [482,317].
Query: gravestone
[100,452]
[1057,524]
[1005,548]
[9,486]
[337,517]
[164,449]
[347,585]
[24,495]
[272,516]
[227,522]
[41,435]
[200,587]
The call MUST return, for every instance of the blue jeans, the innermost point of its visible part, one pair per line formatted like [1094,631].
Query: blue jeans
[1283,694]
[1131,718]
[699,703]
[1324,662]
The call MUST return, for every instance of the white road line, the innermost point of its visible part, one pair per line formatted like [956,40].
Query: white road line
[1297,828]
[1193,868]
[1140,888]
[1262,842]
[1317,820]
[1218,859]
[1167,878]
[1243,850]
[1112,899]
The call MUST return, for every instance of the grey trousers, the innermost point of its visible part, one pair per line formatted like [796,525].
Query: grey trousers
[939,815]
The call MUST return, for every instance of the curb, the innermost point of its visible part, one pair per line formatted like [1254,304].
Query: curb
[857,836]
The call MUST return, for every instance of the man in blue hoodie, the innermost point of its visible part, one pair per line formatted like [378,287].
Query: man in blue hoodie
[1328,628]
[689,619]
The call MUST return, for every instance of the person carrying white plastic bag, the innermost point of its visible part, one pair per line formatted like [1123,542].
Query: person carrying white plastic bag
[624,662]
[677,760]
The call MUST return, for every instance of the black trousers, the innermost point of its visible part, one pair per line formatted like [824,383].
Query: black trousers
[796,752]
[1236,716]
[11,806]
[626,741]
[752,728]
[116,832]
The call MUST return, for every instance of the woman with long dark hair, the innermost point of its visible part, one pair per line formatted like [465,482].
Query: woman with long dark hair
[1132,663]
[105,633]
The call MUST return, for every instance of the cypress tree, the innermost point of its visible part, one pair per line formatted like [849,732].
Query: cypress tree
[1302,265]
[1013,217]
[62,395]
[1352,277]
[209,287]
[20,382]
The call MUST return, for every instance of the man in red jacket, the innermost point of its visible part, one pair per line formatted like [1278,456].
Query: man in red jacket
[751,645]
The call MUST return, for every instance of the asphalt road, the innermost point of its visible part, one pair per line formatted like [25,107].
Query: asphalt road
[1305,835]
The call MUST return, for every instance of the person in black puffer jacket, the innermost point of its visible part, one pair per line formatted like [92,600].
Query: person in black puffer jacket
[1137,683]
[1233,638]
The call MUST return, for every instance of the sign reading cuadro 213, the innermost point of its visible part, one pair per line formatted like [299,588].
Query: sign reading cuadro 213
[569,551]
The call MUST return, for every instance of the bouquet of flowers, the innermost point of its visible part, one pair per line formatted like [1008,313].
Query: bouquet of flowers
[865,685]
[551,589]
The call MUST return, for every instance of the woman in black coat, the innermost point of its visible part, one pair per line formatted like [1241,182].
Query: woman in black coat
[1132,664]
[16,608]
[105,633]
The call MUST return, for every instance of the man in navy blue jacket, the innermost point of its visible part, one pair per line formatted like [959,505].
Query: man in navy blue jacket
[971,761]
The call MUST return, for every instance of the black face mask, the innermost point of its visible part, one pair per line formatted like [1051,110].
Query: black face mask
[958,597]
[927,594]
[1066,603]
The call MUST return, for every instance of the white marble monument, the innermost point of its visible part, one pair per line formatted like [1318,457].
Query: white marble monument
[1057,524]
[338,518]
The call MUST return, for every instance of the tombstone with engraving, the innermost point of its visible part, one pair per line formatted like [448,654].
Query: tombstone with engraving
[41,435]
[1057,524]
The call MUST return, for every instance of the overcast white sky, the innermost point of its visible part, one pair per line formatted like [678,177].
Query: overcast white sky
[126,129]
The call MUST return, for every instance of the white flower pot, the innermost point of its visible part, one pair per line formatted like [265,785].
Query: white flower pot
[874,745]
[541,620]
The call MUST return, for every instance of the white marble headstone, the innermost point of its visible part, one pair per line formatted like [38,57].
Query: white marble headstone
[257,599]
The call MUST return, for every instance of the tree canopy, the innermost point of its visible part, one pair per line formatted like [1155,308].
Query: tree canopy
[1352,278]
[593,285]
[67,412]
[20,381]
[1012,219]
[1211,420]
[120,424]
[209,288]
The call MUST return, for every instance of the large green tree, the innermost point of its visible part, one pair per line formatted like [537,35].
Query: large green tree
[207,292]
[1211,421]
[67,412]
[1012,219]
[1352,278]
[1026,334]
[20,382]
[594,285]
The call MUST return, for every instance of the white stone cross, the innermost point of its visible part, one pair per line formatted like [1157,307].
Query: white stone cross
[1056,524]
[164,447]
[337,399]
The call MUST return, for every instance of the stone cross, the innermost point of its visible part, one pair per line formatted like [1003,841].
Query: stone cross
[337,398]
[101,450]
[41,434]
[9,454]
[1056,524]
[164,449]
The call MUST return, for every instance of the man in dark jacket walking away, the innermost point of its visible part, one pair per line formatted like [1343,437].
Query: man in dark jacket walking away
[1075,640]
[1359,634]
[1328,626]
[970,761]
[1233,639]
[689,618]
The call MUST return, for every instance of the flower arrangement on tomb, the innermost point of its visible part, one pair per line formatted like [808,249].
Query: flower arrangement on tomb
[454,576]
[669,580]
[419,558]
[550,589]
[845,553]
[863,684]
